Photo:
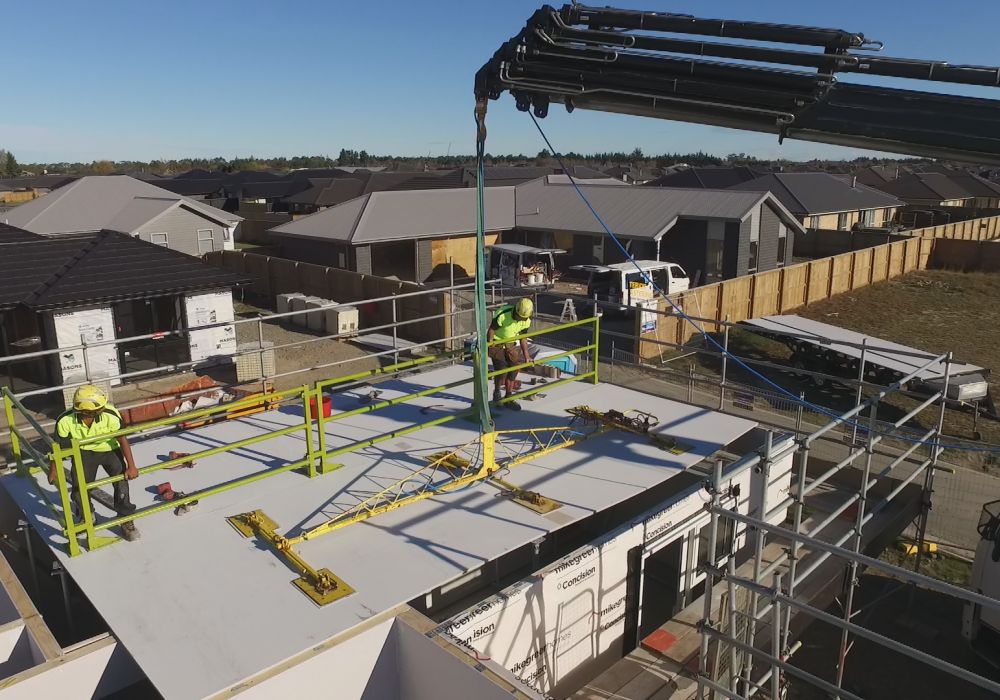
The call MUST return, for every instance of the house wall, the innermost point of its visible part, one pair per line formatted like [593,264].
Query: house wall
[181,226]
[743,262]
[462,250]
[686,244]
[767,251]
[564,625]
[317,252]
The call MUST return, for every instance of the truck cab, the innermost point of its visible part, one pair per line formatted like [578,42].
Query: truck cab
[624,285]
[523,266]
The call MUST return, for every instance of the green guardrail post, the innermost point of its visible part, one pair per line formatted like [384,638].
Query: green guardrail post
[597,343]
[308,425]
[15,443]
[58,455]
[84,488]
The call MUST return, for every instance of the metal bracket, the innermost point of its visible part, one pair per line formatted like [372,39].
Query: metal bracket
[532,500]
[323,586]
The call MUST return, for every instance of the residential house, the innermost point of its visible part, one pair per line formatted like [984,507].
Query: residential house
[930,190]
[713,234]
[407,234]
[103,286]
[875,176]
[985,192]
[122,203]
[824,201]
[707,178]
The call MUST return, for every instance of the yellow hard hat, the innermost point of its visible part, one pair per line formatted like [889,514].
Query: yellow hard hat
[89,398]
[525,307]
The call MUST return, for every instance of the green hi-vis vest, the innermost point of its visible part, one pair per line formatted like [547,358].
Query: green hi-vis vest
[508,325]
[70,427]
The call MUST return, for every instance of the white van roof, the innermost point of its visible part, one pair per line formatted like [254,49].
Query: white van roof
[644,265]
[518,249]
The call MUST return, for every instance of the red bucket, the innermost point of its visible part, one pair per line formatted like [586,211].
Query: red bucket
[327,407]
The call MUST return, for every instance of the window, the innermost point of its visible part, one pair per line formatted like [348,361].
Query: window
[341,261]
[868,217]
[781,250]
[226,234]
[752,264]
[723,544]
[206,241]
[159,239]
[842,221]
[677,273]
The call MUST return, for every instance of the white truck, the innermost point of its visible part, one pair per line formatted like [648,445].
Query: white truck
[523,266]
[624,288]
[980,624]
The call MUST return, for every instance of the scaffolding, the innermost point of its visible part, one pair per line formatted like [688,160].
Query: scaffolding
[738,667]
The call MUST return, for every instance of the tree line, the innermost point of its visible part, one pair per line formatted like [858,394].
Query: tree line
[9,166]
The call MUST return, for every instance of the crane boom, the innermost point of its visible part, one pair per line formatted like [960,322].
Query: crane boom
[684,68]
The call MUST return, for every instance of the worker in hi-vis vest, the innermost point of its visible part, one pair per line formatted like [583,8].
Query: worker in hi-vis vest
[91,417]
[508,323]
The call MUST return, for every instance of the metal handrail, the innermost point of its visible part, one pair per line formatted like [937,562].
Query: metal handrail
[309,397]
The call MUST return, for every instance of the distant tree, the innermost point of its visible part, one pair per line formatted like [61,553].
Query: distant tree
[544,153]
[636,154]
[11,168]
[103,167]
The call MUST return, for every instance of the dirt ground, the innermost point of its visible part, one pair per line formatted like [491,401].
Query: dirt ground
[935,311]
[875,672]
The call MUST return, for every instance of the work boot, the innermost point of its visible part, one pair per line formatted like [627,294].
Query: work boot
[130,532]
[512,405]
[496,395]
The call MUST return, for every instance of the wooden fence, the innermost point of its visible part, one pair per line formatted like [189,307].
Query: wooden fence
[971,230]
[966,255]
[273,276]
[783,290]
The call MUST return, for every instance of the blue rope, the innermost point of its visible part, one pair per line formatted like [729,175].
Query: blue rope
[713,341]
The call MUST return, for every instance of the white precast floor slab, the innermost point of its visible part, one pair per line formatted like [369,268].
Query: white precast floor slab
[201,609]
[825,335]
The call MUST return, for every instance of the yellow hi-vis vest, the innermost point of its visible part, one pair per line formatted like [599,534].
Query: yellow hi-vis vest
[507,325]
[69,427]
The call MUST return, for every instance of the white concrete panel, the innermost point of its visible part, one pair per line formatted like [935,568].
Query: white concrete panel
[428,672]
[206,310]
[10,635]
[75,678]
[223,590]
[342,672]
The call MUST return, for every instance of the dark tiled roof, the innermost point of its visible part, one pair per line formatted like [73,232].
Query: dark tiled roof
[326,192]
[873,177]
[807,194]
[12,234]
[975,185]
[200,174]
[267,190]
[187,187]
[707,178]
[929,186]
[104,268]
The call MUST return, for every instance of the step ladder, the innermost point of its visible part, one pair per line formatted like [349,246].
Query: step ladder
[568,312]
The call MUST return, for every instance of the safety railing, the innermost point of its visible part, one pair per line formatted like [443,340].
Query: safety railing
[315,460]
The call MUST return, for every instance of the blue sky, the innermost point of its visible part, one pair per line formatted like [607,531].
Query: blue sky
[144,80]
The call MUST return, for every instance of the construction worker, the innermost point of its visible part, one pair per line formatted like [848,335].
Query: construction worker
[91,417]
[509,322]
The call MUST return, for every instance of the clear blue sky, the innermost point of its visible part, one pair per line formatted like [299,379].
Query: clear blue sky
[144,80]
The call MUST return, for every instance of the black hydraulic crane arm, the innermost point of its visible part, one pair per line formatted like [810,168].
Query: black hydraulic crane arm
[684,68]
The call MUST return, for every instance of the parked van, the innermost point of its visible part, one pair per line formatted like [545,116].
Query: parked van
[523,266]
[623,284]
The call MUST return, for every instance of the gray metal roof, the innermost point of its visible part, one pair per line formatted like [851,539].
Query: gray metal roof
[629,211]
[810,194]
[925,186]
[92,203]
[405,215]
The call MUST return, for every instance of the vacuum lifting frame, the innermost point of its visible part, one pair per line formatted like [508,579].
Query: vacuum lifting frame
[474,462]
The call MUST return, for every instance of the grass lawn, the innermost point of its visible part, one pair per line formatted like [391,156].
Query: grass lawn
[936,311]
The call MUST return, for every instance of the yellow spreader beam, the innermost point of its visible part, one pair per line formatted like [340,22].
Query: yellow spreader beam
[449,471]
